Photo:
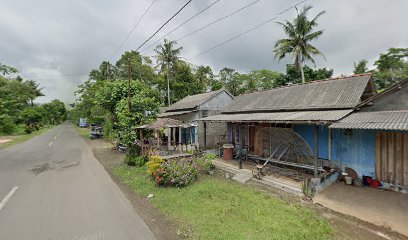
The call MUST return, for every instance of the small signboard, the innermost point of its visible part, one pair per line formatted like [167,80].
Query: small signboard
[82,122]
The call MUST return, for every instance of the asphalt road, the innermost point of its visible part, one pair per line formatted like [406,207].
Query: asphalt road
[53,188]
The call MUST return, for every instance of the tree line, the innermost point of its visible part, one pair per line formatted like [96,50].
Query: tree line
[17,107]
[130,92]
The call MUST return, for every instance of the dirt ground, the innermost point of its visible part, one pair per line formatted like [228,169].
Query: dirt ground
[344,226]
[380,207]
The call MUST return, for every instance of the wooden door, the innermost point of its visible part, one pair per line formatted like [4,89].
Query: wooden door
[392,157]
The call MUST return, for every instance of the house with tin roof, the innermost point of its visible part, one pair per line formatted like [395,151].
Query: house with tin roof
[291,123]
[373,140]
[190,134]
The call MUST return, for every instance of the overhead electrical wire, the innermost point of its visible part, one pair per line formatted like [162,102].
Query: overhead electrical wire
[131,31]
[176,28]
[185,5]
[213,22]
[247,31]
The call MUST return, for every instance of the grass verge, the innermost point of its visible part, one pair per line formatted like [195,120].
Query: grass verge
[83,132]
[214,208]
[24,137]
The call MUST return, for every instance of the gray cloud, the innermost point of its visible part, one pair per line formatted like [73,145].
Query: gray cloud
[45,38]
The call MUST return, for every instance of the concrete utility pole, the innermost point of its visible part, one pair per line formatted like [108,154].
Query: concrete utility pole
[168,83]
[129,102]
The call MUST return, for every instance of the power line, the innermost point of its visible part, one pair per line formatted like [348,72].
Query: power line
[247,31]
[131,31]
[164,24]
[218,20]
[176,28]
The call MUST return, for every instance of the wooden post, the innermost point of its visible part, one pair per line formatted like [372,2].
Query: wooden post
[205,135]
[191,136]
[330,145]
[158,140]
[142,140]
[316,149]
[174,138]
[168,130]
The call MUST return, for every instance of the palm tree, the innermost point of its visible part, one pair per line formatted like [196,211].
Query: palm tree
[300,35]
[167,57]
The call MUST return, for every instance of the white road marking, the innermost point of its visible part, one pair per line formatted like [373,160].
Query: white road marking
[8,196]
[49,144]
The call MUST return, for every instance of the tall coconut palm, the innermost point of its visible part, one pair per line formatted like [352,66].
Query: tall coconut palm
[167,57]
[300,34]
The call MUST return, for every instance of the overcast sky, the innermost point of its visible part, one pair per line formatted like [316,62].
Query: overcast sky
[47,39]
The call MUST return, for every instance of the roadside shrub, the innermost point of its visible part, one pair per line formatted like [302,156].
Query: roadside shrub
[179,172]
[205,163]
[135,161]
[154,163]
[7,124]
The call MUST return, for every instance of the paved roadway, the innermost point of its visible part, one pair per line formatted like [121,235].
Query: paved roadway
[53,188]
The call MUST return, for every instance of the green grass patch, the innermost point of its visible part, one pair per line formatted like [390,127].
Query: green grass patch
[24,137]
[19,130]
[83,132]
[215,208]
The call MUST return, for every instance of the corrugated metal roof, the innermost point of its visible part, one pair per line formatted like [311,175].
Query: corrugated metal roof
[193,101]
[162,123]
[329,116]
[168,114]
[339,93]
[382,120]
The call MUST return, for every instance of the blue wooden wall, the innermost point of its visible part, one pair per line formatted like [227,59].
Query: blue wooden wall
[307,133]
[355,150]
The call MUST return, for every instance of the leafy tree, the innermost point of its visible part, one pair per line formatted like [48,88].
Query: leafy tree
[55,111]
[360,67]
[33,117]
[167,57]
[293,76]
[231,80]
[392,66]
[5,70]
[263,79]
[34,91]
[204,77]
[300,34]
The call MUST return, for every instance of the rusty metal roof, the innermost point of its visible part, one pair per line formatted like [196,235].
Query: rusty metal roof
[169,114]
[381,120]
[193,101]
[162,123]
[338,93]
[300,116]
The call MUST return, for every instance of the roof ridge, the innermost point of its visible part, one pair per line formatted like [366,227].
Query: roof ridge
[310,82]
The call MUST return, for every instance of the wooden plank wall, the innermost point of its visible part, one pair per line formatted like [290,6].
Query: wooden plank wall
[392,157]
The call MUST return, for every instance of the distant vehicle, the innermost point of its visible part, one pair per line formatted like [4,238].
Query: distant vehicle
[82,122]
[96,132]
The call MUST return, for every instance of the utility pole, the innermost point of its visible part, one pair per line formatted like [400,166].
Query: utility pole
[168,83]
[129,102]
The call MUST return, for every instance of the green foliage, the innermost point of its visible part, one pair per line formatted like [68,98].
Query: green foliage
[154,164]
[360,67]
[392,67]
[300,34]
[294,76]
[138,161]
[219,209]
[5,70]
[54,112]
[16,103]
[7,124]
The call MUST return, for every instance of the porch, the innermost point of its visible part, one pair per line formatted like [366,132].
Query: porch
[167,137]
